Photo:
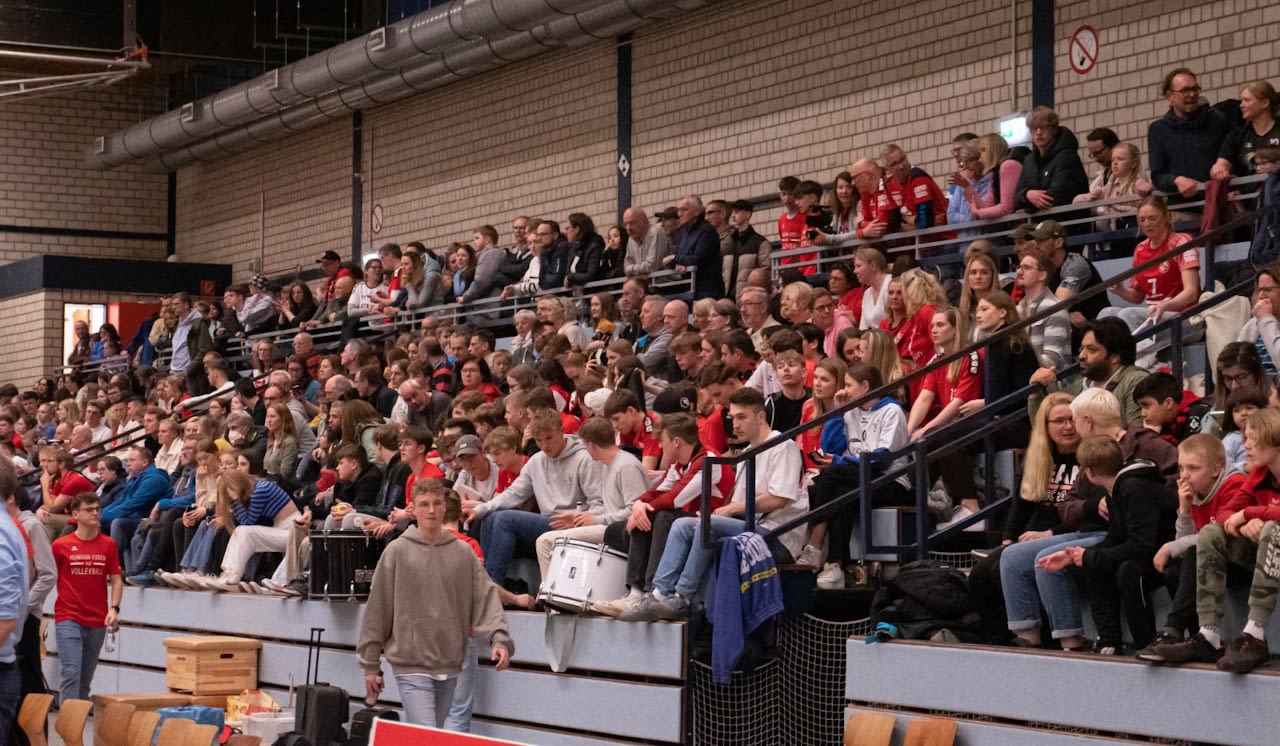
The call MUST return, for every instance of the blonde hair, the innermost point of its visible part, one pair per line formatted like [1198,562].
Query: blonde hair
[1123,185]
[232,485]
[1265,424]
[1102,407]
[983,252]
[1206,446]
[919,289]
[881,353]
[997,149]
[1038,466]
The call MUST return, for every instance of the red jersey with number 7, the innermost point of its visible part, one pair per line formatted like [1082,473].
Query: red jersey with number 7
[1164,281]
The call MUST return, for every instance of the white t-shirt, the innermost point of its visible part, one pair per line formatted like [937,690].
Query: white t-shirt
[779,472]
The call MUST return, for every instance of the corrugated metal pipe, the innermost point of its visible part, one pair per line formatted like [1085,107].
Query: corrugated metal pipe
[420,53]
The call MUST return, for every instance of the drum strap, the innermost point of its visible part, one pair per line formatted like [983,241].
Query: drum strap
[561,630]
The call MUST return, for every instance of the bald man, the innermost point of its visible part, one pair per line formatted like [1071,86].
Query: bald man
[647,245]
[876,212]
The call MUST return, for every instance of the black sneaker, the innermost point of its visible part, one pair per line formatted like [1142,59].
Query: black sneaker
[1195,650]
[1244,654]
[1166,637]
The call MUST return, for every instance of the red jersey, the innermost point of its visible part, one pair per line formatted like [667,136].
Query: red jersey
[810,440]
[1164,281]
[84,567]
[569,423]
[475,545]
[878,206]
[711,432]
[967,385]
[920,197]
[792,234]
[428,470]
[912,336]
[646,441]
[505,477]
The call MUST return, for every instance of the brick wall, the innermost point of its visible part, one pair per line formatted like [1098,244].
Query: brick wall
[726,101]
[44,181]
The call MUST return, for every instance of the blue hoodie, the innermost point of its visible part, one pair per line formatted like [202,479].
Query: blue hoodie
[140,495]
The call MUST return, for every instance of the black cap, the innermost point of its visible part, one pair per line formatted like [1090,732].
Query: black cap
[329,256]
[1023,232]
[675,399]
[667,214]
[741,205]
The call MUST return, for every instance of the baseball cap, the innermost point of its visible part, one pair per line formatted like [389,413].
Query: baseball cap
[467,445]
[675,399]
[1050,229]
[1023,232]
[742,205]
[329,256]
[667,214]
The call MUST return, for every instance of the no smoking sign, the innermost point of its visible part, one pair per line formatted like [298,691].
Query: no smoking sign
[1083,50]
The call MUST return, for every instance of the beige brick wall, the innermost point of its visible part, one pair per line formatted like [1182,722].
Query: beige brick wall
[726,101]
[45,182]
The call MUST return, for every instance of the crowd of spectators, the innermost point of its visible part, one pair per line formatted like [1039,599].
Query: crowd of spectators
[595,421]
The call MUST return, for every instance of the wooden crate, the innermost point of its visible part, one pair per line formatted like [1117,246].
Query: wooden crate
[211,664]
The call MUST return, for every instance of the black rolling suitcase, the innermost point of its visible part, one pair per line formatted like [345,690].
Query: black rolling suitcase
[322,709]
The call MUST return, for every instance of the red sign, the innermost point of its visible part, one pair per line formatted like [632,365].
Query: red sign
[393,733]
[207,287]
[1083,51]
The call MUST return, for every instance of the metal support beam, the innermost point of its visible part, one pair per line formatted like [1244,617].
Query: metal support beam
[623,88]
[1042,58]
[357,186]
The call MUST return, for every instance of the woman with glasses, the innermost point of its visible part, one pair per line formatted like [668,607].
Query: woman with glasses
[1049,471]
[1262,329]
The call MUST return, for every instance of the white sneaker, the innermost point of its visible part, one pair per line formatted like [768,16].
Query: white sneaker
[831,577]
[960,513]
[616,607]
[810,556]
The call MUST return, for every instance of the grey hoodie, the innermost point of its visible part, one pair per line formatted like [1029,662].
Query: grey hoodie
[425,601]
[569,483]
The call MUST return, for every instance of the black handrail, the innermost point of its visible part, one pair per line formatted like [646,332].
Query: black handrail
[1208,240]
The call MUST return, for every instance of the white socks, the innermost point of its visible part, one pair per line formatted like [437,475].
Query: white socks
[1253,629]
[1212,636]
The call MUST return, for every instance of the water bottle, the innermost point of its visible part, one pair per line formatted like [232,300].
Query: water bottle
[111,641]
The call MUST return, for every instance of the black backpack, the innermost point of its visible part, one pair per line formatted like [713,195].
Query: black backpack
[292,738]
[925,597]
[1265,247]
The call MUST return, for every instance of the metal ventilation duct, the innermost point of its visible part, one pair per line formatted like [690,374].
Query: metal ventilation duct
[420,53]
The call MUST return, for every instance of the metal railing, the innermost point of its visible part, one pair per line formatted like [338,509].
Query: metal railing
[964,430]
[940,245]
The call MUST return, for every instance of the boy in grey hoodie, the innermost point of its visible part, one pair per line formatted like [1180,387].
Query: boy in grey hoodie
[561,477]
[429,594]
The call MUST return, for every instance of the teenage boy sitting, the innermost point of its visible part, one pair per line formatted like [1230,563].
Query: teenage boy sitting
[622,480]
[1169,409]
[784,407]
[1140,508]
[635,427]
[1246,538]
[1207,486]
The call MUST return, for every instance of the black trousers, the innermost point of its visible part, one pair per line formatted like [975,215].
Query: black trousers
[988,595]
[28,650]
[643,548]
[1180,580]
[835,482]
[1127,588]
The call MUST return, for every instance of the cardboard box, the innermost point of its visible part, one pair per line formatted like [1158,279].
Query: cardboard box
[211,664]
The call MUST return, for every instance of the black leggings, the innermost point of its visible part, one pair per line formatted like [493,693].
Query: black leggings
[643,548]
[838,480]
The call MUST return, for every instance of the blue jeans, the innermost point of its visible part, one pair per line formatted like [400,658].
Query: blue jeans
[1026,588]
[685,562]
[503,532]
[199,549]
[121,532]
[464,693]
[78,649]
[10,694]
[426,700]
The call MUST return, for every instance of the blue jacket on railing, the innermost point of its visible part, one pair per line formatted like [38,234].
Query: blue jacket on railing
[697,245]
[140,494]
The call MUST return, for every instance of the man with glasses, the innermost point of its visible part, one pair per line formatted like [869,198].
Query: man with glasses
[1050,337]
[87,562]
[876,214]
[1184,143]
[912,190]
[1099,143]
[1052,173]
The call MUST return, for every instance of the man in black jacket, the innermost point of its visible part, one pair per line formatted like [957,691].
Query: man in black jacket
[696,246]
[1052,173]
[1140,508]
[372,387]
[1183,144]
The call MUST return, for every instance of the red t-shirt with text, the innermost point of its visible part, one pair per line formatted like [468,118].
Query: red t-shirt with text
[84,568]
